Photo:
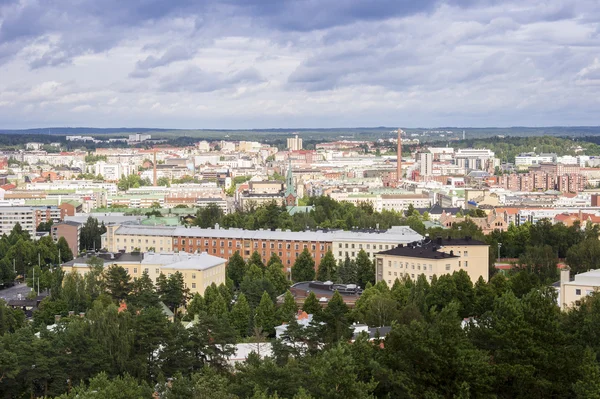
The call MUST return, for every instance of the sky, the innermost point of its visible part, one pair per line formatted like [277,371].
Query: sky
[237,64]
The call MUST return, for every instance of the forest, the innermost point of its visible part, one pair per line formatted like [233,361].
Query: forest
[449,338]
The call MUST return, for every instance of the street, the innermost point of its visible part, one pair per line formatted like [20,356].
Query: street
[13,292]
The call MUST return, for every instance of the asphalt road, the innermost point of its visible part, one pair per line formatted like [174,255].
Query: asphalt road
[13,292]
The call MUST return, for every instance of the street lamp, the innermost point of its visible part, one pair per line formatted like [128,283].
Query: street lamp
[499,246]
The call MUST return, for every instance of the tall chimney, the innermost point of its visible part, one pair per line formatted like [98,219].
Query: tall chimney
[154,165]
[399,163]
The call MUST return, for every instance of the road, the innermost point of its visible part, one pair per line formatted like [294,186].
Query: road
[13,292]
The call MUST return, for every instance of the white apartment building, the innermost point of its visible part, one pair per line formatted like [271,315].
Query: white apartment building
[425,160]
[476,159]
[113,171]
[531,158]
[75,185]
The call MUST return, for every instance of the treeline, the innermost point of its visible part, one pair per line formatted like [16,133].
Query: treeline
[449,339]
[20,255]
[327,214]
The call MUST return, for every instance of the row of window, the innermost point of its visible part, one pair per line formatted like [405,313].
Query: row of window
[360,246]
[238,244]
[139,241]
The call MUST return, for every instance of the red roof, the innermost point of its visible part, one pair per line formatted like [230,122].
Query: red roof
[9,186]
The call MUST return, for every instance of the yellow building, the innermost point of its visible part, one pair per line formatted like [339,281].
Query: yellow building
[136,237]
[198,270]
[573,291]
[433,257]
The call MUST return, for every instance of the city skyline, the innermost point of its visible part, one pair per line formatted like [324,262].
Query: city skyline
[235,65]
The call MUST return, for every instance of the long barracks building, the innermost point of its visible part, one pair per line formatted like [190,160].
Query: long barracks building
[286,244]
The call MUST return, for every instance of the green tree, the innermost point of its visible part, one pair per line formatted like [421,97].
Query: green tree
[275,275]
[311,304]
[143,293]
[365,269]
[101,386]
[347,271]
[288,309]
[65,251]
[255,259]
[588,386]
[208,216]
[172,291]
[117,282]
[241,315]
[327,268]
[264,316]
[304,267]
[336,319]
[236,268]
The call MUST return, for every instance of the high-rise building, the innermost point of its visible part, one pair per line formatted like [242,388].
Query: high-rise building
[294,143]
[425,160]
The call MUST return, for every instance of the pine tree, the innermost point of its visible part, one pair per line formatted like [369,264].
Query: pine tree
[288,309]
[312,305]
[365,269]
[347,271]
[117,282]
[196,306]
[255,259]
[236,268]
[274,259]
[304,267]
[336,319]
[264,316]
[274,273]
[241,316]
[327,268]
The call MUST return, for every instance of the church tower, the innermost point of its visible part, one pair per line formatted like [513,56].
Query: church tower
[291,198]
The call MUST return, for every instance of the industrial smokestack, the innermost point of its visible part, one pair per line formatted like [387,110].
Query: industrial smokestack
[399,162]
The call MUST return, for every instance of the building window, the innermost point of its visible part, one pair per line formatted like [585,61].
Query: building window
[146,270]
[466,263]
[157,271]
[447,266]
[340,253]
[353,246]
[272,245]
[466,253]
[175,240]
[339,244]
[578,292]
[389,273]
[193,285]
[193,275]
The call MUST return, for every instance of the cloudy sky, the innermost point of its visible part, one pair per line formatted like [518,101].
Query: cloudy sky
[299,63]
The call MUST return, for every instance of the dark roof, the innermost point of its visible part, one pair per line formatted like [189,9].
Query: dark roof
[108,258]
[438,210]
[429,249]
[328,289]
[426,252]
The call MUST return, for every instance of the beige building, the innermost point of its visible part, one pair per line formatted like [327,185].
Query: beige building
[572,291]
[433,257]
[140,238]
[198,270]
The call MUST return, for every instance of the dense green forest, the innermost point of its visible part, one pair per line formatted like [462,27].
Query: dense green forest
[449,339]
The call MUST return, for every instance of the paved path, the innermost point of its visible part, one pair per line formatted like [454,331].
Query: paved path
[13,292]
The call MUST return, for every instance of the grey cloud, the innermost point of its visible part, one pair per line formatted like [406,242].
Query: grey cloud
[194,79]
[173,54]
